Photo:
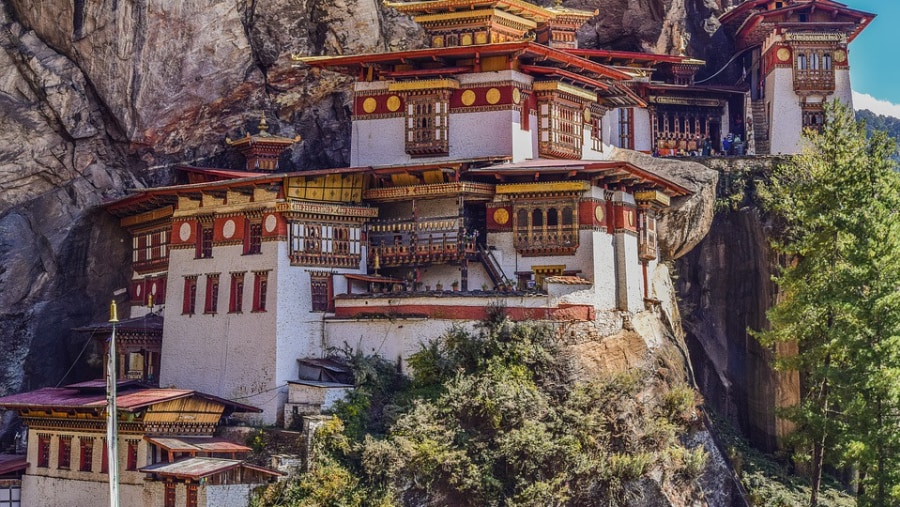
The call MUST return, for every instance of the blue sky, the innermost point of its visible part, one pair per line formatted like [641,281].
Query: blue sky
[874,65]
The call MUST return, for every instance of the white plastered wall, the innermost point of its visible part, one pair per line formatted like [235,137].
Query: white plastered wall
[232,355]
[786,121]
[511,261]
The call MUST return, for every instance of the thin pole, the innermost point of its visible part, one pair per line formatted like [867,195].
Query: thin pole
[111,419]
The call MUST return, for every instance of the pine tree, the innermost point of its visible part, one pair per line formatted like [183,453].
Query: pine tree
[840,201]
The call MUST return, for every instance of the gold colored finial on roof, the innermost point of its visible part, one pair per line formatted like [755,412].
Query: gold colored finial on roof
[263,126]
[113,312]
[558,3]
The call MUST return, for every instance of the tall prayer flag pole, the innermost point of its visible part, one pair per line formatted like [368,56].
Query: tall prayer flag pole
[111,419]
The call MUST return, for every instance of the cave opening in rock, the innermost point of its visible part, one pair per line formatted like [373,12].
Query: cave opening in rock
[77,18]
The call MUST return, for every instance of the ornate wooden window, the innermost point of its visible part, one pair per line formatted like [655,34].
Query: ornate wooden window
[260,290]
[321,289]
[626,128]
[253,238]
[647,243]
[86,455]
[813,116]
[427,123]
[595,122]
[43,450]
[813,69]
[325,244]
[205,242]
[559,127]
[150,249]
[546,228]
[236,300]
[64,452]
[212,293]
[104,460]
[189,304]
[191,495]
[132,457]
[169,495]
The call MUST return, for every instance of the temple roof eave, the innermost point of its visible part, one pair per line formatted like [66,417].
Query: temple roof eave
[352,64]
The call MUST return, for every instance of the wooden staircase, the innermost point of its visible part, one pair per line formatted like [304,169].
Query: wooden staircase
[493,267]
[760,128]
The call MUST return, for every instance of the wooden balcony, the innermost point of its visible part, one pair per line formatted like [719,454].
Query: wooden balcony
[548,241]
[408,242]
[814,80]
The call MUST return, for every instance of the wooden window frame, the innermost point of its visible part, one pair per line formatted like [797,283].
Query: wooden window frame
[85,454]
[560,127]
[64,452]
[131,456]
[205,241]
[169,494]
[253,238]
[321,292]
[211,303]
[43,445]
[189,301]
[191,495]
[260,290]
[104,460]
[236,299]
[427,122]
[626,128]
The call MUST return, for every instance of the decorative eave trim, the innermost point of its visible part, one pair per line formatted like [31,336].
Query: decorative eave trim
[450,16]
[425,84]
[652,197]
[314,208]
[147,217]
[483,190]
[541,86]
[542,188]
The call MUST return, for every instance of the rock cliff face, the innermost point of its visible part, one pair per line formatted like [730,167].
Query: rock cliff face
[725,286]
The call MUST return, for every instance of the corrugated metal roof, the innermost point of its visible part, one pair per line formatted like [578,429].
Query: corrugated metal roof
[197,468]
[131,398]
[10,463]
[320,383]
[328,364]
[198,444]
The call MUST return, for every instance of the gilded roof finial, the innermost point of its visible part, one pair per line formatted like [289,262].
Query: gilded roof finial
[558,3]
[263,126]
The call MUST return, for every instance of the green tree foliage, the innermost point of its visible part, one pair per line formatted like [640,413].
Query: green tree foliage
[881,123]
[496,417]
[840,302]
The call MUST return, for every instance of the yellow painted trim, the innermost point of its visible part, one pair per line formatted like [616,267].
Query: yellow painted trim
[549,86]
[425,84]
[536,188]
[146,217]
[652,196]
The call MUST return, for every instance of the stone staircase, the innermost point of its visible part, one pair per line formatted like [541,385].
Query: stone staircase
[760,128]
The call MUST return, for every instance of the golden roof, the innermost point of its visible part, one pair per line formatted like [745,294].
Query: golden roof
[262,137]
[518,7]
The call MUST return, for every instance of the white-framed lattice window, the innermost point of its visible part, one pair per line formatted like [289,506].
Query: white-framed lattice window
[560,127]
[427,123]
[647,242]
[325,244]
[149,247]
[626,128]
